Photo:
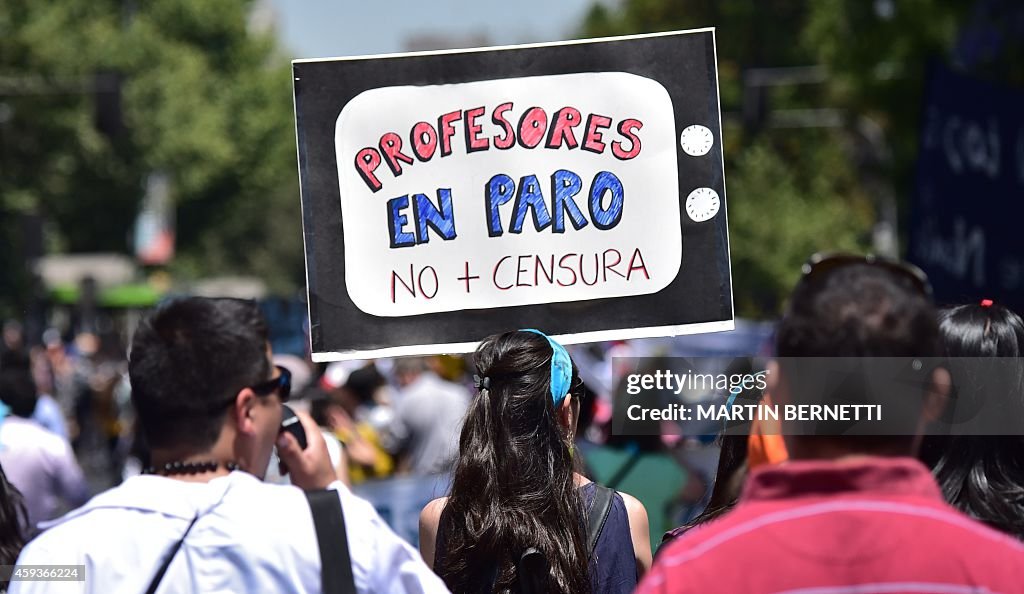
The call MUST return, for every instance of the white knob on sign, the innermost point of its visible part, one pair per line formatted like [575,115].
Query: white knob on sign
[702,204]
[696,140]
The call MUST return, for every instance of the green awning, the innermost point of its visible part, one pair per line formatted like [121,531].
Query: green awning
[122,296]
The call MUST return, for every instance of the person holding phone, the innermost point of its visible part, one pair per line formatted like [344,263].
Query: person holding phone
[200,519]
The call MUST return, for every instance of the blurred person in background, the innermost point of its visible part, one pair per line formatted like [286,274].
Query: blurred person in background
[209,403]
[47,412]
[57,373]
[983,475]
[740,451]
[323,410]
[353,388]
[109,406]
[847,513]
[39,463]
[517,490]
[423,435]
[728,483]
[12,339]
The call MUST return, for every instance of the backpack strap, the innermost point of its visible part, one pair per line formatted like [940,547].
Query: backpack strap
[597,515]
[532,571]
[154,583]
[532,568]
[329,521]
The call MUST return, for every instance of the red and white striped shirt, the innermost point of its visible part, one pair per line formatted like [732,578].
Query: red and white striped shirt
[874,525]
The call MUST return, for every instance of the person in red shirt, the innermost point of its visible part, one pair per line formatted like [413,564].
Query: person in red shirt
[846,514]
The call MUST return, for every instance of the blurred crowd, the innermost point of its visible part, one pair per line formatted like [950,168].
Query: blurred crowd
[513,426]
[382,418]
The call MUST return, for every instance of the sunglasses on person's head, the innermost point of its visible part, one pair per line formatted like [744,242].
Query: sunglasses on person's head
[282,384]
[821,264]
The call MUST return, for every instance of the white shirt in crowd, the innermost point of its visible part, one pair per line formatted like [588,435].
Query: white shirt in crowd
[42,466]
[250,537]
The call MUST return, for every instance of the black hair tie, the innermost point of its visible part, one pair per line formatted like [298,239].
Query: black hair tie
[482,383]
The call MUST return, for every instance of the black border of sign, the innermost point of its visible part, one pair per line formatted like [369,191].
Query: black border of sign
[323,87]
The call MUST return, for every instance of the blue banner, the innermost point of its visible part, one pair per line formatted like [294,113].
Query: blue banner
[965,228]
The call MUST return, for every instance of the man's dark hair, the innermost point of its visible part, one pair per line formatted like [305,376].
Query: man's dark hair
[18,391]
[188,361]
[873,318]
[858,310]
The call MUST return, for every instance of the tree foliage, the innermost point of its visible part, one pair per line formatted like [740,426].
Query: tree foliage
[203,99]
[792,192]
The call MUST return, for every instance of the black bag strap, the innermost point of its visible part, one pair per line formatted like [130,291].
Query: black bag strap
[329,522]
[532,572]
[532,568]
[597,515]
[159,576]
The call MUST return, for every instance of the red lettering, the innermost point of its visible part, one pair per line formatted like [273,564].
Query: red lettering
[593,141]
[628,128]
[561,264]
[633,266]
[520,270]
[473,141]
[509,139]
[566,119]
[532,127]
[548,274]
[367,161]
[446,130]
[419,281]
[596,271]
[607,266]
[408,286]
[424,141]
[494,277]
[391,146]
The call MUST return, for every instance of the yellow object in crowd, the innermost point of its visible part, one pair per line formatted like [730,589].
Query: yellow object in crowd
[367,459]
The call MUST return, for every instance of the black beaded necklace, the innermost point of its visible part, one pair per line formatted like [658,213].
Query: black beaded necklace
[190,467]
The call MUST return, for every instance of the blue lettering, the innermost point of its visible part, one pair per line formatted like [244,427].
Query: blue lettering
[442,220]
[499,190]
[397,221]
[603,218]
[564,185]
[530,197]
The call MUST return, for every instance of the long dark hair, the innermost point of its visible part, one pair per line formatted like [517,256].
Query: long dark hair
[513,485]
[13,521]
[982,475]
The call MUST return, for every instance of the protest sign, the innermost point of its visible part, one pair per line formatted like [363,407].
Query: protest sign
[965,224]
[573,187]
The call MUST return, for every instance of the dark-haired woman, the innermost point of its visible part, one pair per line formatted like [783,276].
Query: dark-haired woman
[516,488]
[983,475]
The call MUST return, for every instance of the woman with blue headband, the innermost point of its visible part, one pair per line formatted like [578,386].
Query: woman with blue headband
[520,518]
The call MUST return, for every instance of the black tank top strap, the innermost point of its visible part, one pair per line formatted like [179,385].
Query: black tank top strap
[613,562]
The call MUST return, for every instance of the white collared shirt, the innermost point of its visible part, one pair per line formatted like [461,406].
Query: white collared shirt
[250,537]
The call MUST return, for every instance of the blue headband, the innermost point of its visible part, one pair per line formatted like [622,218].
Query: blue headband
[561,368]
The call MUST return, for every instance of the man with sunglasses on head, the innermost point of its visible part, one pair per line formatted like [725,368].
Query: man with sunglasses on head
[848,513]
[200,519]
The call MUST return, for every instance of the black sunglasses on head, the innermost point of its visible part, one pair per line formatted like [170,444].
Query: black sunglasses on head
[821,264]
[282,384]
